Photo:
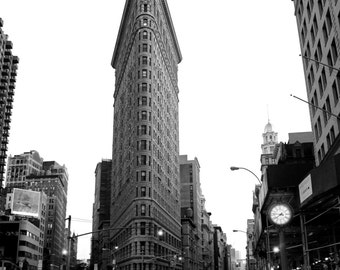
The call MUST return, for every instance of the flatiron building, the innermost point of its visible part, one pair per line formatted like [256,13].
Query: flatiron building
[145,195]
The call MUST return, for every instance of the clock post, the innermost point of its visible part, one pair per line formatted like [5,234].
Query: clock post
[280,214]
[283,253]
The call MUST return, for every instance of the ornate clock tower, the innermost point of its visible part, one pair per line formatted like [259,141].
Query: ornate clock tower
[268,145]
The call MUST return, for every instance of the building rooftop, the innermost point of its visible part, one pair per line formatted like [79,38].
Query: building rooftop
[301,137]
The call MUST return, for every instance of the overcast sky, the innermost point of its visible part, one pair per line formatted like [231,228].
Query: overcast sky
[240,64]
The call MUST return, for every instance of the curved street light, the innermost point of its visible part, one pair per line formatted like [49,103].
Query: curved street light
[234,168]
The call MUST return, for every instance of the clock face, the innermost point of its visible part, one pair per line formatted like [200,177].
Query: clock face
[280,214]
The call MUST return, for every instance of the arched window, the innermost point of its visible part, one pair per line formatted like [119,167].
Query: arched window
[145,35]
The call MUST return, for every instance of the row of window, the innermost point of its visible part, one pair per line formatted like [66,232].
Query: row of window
[330,138]
[28,244]
[322,83]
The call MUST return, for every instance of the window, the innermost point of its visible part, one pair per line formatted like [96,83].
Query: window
[308,11]
[143,174]
[145,8]
[320,5]
[320,87]
[143,210]
[335,92]
[319,126]
[322,151]
[328,141]
[144,73]
[144,60]
[315,24]
[142,228]
[316,132]
[144,115]
[313,35]
[334,51]
[144,87]
[145,47]
[325,33]
[143,159]
[145,35]
[328,107]
[143,144]
[325,117]
[143,191]
[332,135]
[144,101]
[143,130]
[329,21]
[330,60]
[312,75]
[309,82]
[319,52]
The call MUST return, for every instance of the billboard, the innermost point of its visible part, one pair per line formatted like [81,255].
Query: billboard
[26,202]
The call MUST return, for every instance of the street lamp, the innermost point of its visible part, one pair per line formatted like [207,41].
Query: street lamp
[247,247]
[233,168]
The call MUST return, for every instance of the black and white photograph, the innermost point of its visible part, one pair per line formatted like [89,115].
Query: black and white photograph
[170,134]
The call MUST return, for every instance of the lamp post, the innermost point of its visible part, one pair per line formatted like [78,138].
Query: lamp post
[247,247]
[233,168]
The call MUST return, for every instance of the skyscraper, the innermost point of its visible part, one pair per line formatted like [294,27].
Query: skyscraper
[8,73]
[191,213]
[101,214]
[29,171]
[145,152]
[319,28]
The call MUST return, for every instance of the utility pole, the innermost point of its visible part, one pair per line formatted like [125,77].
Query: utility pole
[68,243]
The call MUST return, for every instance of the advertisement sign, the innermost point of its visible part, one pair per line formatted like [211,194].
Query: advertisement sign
[305,188]
[25,202]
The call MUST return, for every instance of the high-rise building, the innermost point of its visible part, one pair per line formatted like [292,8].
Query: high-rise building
[101,214]
[8,73]
[145,152]
[22,232]
[319,30]
[29,171]
[191,212]
[207,237]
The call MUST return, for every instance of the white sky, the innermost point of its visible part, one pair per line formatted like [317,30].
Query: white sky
[239,58]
